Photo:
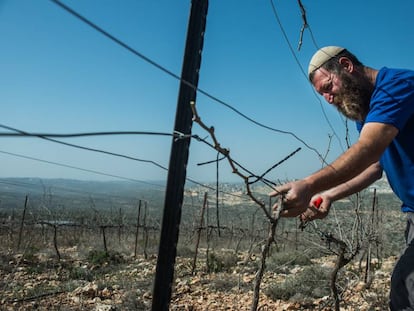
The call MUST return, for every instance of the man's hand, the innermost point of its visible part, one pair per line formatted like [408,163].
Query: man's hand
[296,197]
[316,212]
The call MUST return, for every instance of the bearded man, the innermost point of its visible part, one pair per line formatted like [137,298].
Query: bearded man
[382,104]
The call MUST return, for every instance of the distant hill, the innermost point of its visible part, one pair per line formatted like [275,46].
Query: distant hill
[78,193]
[60,185]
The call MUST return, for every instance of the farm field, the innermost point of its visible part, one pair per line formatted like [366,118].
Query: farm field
[98,252]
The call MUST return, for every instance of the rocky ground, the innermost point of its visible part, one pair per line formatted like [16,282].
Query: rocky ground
[41,282]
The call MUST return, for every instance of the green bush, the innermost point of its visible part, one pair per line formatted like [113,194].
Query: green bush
[221,262]
[5,265]
[29,254]
[79,273]
[100,257]
[224,283]
[312,282]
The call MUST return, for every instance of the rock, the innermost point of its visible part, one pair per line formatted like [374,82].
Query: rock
[360,286]
[90,290]
[106,293]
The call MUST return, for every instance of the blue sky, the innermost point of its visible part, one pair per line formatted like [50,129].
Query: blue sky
[58,75]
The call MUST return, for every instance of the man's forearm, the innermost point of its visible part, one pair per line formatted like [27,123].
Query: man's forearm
[374,139]
[348,166]
[358,183]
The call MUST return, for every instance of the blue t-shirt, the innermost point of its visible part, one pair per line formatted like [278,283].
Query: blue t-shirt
[392,102]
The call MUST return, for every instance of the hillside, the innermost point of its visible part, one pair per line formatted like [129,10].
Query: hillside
[93,246]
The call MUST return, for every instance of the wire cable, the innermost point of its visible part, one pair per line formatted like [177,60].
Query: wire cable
[115,176]
[23,133]
[84,134]
[77,168]
[45,136]
[169,72]
[303,71]
[17,182]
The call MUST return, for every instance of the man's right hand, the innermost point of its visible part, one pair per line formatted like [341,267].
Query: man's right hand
[315,212]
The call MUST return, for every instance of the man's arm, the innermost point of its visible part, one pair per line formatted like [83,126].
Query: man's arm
[374,139]
[358,183]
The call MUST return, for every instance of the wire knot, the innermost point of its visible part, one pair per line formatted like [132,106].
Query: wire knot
[178,136]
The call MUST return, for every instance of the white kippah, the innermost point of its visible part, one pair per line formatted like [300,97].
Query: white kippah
[322,56]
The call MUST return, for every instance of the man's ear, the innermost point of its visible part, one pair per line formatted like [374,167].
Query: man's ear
[346,63]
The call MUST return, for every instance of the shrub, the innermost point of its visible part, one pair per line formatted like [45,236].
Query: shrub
[29,254]
[224,283]
[99,257]
[79,273]
[221,262]
[312,282]
[5,265]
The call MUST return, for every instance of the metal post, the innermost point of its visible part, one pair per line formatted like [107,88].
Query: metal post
[178,158]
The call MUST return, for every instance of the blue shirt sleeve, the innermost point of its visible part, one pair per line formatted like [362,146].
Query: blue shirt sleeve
[391,102]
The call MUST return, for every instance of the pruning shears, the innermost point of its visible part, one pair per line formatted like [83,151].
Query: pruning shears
[316,203]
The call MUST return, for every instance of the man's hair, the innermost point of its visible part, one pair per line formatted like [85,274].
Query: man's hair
[333,65]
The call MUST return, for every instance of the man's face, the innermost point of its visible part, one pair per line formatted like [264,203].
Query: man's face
[348,93]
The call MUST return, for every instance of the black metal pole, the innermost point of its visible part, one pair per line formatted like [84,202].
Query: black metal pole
[178,158]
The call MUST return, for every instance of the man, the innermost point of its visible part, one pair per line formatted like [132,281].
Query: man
[382,104]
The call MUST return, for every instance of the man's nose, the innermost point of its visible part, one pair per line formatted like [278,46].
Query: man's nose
[328,97]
